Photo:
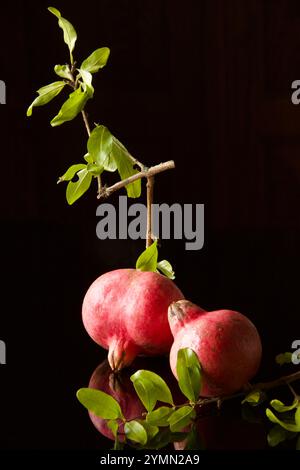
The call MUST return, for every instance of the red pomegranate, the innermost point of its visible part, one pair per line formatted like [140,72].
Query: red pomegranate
[126,312]
[226,342]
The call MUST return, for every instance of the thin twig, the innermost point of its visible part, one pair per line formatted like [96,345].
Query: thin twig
[142,174]
[149,234]
[86,122]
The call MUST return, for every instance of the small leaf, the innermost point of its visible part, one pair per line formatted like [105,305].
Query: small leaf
[281,408]
[286,425]
[151,388]
[99,403]
[46,94]
[99,147]
[70,35]
[166,269]
[73,106]
[94,169]
[147,261]
[189,373]
[87,82]
[149,428]
[88,158]
[71,172]
[63,71]
[255,397]
[276,435]
[160,416]
[284,358]
[126,168]
[181,418]
[135,432]
[113,425]
[76,189]
[97,60]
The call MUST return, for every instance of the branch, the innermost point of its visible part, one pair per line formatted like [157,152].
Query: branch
[149,234]
[285,380]
[154,170]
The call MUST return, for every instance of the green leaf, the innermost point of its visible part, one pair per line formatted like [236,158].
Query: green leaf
[63,71]
[126,168]
[71,172]
[99,403]
[71,107]
[113,425]
[76,189]
[94,169]
[149,428]
[135,432]
[87,82]
[189,374]
[166,269]
[284,358]
[97,60]
[151,388]
[286,425]
[88,158]
[46,94]
[181,418]
[70,35]
[164,437]
[99,148]
[193,440]
[276,435]
[281,408]
[147,261]
[255,397]
[160,416]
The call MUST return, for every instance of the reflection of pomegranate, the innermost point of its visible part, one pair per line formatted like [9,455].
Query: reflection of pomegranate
[227,433]
[125,311]
[226,342]
[120,387]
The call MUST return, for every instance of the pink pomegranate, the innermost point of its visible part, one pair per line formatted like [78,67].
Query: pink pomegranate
[120,387]
[226,342]
[126,312]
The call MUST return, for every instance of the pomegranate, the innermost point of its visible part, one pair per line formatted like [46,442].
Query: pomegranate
[226,342]
[120,387]
[125,311]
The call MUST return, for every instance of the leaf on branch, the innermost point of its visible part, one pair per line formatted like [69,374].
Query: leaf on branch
[100,148]
[293,427]
[277,434]
[254,398]
[63,71]
[113,425]
[99,403]
[87,82]
[71,108]
[160,416]
[181,418]
[46,94]
[281,408]
[97,60]
[71,172]
[166,269]
[70,35]
[147,261]
[284,358]
[126,168]
[95,169]
[189,374]
[76,189]
[151,388]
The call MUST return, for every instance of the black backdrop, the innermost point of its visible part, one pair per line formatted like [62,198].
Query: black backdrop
[184,81]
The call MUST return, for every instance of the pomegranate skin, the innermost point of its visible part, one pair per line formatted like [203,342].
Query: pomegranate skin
[125,311]
[226,342]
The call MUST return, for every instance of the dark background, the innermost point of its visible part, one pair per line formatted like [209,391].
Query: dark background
[206,83]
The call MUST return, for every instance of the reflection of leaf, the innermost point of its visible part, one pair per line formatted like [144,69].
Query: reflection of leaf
[164,437]
[277,434]
[135,432]
[189,373]
[151,388]
[99,403]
